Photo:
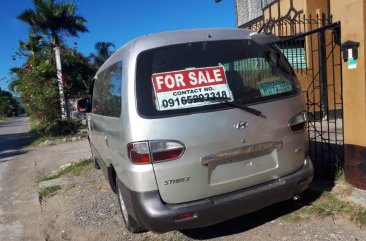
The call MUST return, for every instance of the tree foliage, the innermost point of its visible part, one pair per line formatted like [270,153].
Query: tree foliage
[54,19]
[78,71]
[102,53]
[36,80]
[8,105]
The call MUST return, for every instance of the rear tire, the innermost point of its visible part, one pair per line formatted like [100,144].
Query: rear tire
[131,224]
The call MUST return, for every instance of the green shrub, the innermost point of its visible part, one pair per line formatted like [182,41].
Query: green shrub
[57,128]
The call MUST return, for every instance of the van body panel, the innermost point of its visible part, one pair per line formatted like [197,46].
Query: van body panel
[186,36]
[96,133]
[214,132]
[157,216]
[220,158]
[110,136]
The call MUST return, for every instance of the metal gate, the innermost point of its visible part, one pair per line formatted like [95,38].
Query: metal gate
[312,47]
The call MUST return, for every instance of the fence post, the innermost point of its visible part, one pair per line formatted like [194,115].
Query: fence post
[322,57]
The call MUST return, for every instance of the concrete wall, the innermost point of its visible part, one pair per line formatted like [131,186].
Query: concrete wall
[247,10]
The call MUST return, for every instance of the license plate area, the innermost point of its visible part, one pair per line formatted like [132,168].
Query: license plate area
[242,162]
[236,170]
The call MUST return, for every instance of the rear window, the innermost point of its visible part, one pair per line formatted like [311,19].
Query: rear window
[186,78]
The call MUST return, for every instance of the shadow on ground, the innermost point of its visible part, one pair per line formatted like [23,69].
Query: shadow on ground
[327,158]
[255,219]
[13,145]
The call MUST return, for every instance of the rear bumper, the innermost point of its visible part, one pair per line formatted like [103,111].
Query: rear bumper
[157,216]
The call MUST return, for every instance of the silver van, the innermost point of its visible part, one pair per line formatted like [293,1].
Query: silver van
[195,127]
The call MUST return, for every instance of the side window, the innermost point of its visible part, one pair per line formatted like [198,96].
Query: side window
[113,82]
[107,93]
[97,94]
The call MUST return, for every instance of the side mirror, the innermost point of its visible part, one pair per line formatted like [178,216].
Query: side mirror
[83,105]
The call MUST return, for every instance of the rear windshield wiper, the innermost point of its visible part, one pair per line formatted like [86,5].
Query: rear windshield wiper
[236,104]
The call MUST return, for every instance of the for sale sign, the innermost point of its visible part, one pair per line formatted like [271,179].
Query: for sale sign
[190,87]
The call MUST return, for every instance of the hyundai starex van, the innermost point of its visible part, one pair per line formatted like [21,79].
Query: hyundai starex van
[195,127]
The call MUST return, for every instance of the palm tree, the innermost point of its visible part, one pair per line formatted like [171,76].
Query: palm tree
[102,53]
[32,47]
[55,20]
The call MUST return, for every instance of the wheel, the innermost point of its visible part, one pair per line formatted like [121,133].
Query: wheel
[131,224]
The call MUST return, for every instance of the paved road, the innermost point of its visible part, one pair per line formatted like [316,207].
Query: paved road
[20,211]
[14,137]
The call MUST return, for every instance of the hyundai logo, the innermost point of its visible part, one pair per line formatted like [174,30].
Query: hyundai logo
[241,125]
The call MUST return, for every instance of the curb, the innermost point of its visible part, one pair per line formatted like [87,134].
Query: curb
[61,141]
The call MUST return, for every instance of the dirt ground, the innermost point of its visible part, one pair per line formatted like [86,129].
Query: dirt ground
[88,210]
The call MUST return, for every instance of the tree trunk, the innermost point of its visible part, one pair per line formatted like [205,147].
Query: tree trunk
[64,114]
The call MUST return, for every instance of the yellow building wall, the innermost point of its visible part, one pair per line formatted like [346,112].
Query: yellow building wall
[354,88]
[352,14]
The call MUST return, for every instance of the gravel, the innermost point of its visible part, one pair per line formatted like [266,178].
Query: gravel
[89,210]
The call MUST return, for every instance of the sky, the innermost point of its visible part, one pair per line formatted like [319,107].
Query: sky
[116,21]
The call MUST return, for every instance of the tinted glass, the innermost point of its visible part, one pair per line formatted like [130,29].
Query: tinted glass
[179,79]
[107,92]
[97,94]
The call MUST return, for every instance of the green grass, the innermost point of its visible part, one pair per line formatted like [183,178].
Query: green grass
[328,205]
[47,192]
[75,169]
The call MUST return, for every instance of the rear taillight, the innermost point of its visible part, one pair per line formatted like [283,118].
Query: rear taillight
[166,150]
[139,153]
[298,122]
[154,151]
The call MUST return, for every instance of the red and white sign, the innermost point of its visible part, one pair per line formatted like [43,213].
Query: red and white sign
[182,89]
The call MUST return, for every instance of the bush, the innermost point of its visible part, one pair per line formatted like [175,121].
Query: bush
[57,128]
[37,84]
[8,104]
